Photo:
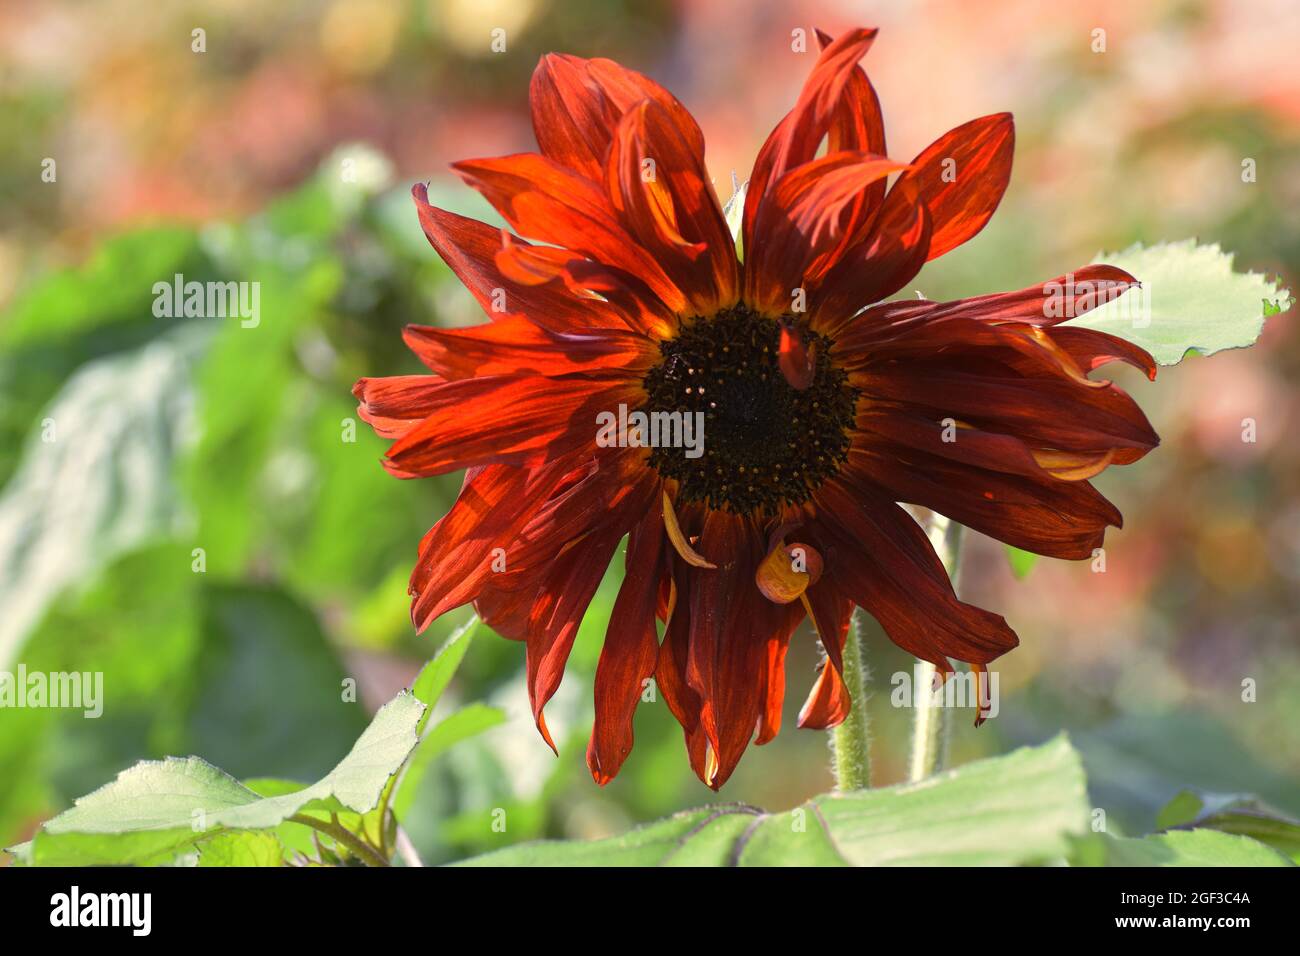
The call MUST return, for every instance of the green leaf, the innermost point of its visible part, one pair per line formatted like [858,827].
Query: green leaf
[1183,809]
[113,287]
[428,688]
[1186,848]
[1014,809]
[462,725]
[1019,808]
[242,848]
[73,316]
[1240,814]
[1190,300]
[438,672]
[705,837]
[95,479]
[158,809]
[289,716]
[1022,562]
[1135,761]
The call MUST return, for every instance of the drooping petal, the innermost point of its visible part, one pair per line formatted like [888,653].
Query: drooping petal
[828,703]
[455,559]
[670,677]
[884,562]
[557,613]
[776,645]
[631,648]
[731,627]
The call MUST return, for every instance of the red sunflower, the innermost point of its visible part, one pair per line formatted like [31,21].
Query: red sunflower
[821,410]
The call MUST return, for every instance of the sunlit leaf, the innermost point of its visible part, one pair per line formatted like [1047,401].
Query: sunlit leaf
[1190,299]
[1020,808]
[1181,848]
[164,807]
[242,848]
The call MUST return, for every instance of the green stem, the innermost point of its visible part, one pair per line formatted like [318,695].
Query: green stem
[931,726]
[347,838]
[850,741]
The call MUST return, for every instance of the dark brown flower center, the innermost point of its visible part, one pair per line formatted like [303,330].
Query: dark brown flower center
[765,443]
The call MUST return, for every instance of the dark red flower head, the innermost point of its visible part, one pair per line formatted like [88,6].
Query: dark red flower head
[822,405]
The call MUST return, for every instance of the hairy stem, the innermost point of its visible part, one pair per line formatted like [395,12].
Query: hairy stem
[850,741]
[931,726]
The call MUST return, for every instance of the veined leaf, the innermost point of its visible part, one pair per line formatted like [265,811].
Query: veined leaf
[1020,808]
[1179,848]
[242,848]
[157,809]
[1190,300]
[703,837]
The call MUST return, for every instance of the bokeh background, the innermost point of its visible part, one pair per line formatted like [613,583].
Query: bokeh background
[174,435]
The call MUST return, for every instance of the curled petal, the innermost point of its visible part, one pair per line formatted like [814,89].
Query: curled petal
[1073,466]
[630,651]
[577,103]
[1091,349]
[788,571]
[675,535]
